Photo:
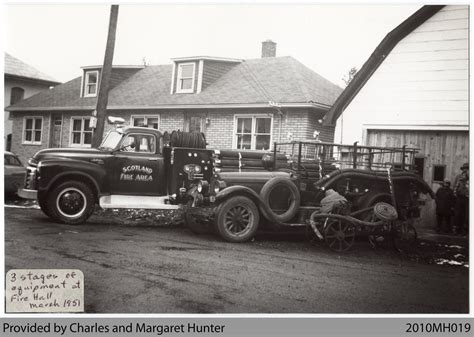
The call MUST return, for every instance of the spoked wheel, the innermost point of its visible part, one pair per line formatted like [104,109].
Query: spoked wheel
[404,236]
[237,219]
[339,235]
[375,235]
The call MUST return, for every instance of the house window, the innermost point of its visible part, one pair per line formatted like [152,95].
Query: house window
[32,130]
[252,132]
[152,121]
[439,173]
[91,83]
[16,95]
[185,78]
[81,132]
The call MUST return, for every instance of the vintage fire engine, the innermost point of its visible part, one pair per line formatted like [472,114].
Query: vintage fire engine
[234,192]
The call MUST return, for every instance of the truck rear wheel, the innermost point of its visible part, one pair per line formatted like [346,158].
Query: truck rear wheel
[237,219]
[71,202]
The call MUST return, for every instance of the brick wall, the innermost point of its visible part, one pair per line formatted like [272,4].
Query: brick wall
[219,131]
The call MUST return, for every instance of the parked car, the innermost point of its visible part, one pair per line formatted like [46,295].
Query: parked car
[14,172]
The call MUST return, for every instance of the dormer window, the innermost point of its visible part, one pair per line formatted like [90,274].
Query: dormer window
[185,78]
[91,82]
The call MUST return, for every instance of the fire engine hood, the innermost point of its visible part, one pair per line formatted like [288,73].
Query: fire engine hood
[71,153]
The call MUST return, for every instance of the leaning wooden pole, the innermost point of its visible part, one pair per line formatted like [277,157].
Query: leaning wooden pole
[106,72]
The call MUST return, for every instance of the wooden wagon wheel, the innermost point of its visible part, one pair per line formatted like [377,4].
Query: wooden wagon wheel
[404,236]
[339,234]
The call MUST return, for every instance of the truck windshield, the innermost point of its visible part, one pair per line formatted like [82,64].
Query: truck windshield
[111,140]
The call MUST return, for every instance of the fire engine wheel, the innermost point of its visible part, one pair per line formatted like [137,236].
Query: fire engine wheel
[43,204]
[339,235]
[282,197]
[404,236]
[71,202]
[237,219]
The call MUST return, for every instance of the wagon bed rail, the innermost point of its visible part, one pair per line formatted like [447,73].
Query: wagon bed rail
[316,158]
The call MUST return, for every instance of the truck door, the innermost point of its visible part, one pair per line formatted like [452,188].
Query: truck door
[138,168]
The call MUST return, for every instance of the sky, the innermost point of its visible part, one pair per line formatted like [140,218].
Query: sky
[58,39]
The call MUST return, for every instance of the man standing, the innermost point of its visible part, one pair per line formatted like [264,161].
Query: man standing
[444,207]
[461,207]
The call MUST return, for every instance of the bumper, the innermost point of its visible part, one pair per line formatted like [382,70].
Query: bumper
[27,194]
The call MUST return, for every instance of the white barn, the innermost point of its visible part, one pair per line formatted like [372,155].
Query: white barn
[413,90]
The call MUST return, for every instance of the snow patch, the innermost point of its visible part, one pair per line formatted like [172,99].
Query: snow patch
[20,206]
[450,262]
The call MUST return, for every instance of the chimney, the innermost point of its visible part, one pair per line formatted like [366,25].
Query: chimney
[268,48]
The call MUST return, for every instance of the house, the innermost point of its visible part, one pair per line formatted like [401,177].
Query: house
[414,90]
[239,104]
[21,81]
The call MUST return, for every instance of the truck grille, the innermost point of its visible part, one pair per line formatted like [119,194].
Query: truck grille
[30,178]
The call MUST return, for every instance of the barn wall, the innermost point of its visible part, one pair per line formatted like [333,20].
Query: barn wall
[450,148]
[423,81]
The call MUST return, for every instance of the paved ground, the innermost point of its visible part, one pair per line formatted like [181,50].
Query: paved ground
[132,268]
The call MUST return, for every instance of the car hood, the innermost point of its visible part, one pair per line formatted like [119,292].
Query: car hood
[71,153]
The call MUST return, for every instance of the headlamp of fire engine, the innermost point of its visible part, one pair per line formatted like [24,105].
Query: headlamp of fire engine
[218,185]
[202,186]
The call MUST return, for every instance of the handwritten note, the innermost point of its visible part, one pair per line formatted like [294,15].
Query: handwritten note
[44,290]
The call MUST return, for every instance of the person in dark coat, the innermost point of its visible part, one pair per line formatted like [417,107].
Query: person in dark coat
[461,207]
[444,207]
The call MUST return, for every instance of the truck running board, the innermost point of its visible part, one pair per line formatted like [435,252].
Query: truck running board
[133,201]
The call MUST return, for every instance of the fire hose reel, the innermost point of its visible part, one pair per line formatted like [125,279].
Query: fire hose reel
[385,211]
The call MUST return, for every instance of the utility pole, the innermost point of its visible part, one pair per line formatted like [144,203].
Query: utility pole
[106,72]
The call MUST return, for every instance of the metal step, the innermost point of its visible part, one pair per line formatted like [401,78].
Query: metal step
[134,201]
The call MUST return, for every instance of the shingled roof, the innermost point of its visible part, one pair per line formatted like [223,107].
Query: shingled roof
[17,68]
[256,81]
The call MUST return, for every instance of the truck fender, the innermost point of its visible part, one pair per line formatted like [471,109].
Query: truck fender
[53,170]
[236,190]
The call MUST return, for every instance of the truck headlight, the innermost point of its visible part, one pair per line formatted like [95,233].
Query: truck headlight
[202,186]
[218,185]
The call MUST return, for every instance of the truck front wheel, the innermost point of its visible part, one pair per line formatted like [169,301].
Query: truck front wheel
[71,202]
[237,219]
[43,204]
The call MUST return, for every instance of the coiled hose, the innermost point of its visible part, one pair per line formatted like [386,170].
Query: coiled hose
[195,140]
